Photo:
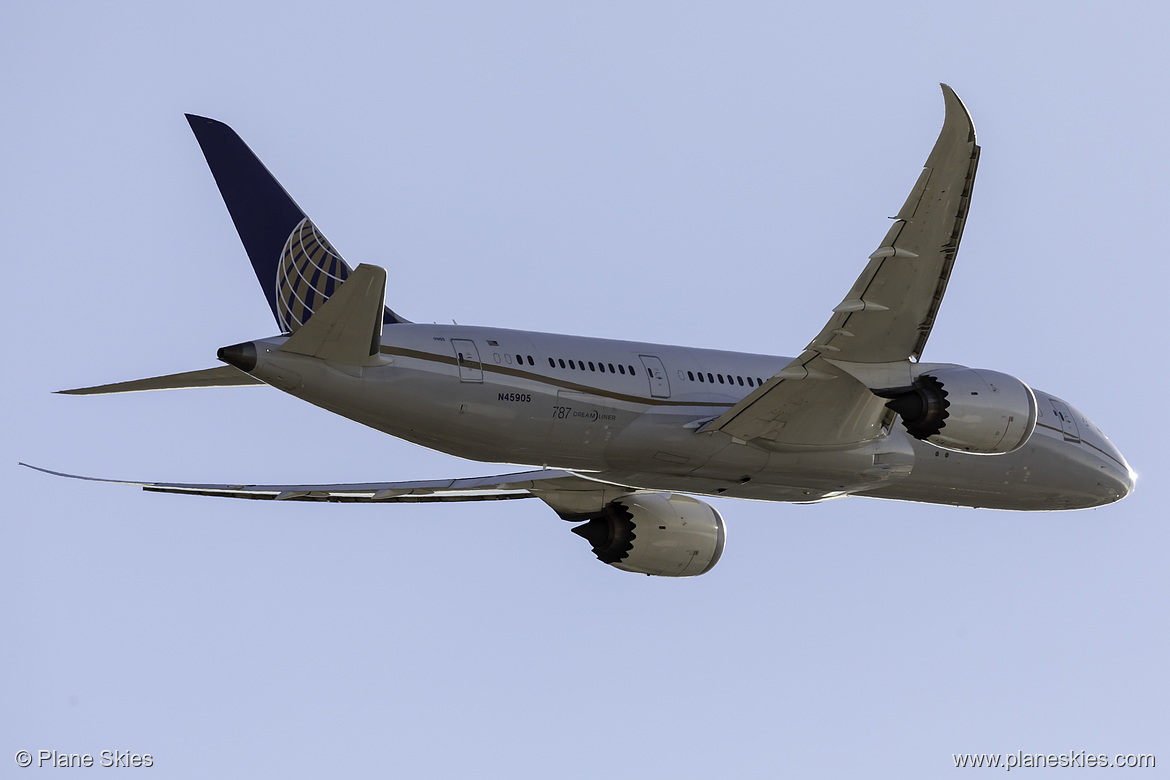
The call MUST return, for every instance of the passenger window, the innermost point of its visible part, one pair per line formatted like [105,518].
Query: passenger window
[621,368]
[561,361]
[631,370]
[720,378]
[691,375]
[611,369]
[701,376]
[740,378]
[591,368]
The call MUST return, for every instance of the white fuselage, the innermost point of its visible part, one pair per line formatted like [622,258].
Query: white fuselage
[629,412]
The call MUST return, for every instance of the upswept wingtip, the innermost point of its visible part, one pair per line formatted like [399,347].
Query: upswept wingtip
[956,111]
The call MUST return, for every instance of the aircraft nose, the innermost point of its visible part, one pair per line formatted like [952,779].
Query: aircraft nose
[1126,478]
[1114,478]
[1117,478]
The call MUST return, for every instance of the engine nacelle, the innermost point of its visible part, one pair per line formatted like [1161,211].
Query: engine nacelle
[664,534]
[966,409]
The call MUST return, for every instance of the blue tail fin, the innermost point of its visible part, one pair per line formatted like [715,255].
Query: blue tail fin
[297,267]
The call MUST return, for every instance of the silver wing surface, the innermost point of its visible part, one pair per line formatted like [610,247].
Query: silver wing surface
[884,319]
[564,491]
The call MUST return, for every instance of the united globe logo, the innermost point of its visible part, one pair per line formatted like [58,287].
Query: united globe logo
[310,270]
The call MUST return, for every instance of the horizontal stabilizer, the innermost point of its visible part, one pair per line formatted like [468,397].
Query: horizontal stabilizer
[347,329]
[222,376]
[546,484]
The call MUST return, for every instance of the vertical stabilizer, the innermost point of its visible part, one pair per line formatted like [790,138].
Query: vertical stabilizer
[297,267]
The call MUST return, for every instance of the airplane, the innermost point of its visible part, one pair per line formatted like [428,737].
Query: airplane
[621,435]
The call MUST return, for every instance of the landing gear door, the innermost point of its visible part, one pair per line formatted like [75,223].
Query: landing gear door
[659,384]
[467,358]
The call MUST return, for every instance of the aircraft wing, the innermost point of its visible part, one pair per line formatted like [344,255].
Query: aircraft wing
[884,319]
[565,491]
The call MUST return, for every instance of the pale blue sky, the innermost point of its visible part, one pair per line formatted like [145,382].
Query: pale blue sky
[687,173]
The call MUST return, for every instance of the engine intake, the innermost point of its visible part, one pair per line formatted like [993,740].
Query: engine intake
[663,534]
[966,410]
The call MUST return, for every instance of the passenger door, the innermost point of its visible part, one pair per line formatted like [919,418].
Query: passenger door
[659,384]
[1067,423]
[467,358]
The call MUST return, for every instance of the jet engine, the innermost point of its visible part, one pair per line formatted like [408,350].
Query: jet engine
[966,410]
[664,534]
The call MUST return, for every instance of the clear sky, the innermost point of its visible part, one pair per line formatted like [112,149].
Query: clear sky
[706,174]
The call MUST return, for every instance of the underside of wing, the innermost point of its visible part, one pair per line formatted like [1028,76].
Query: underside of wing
[565,491]
[822,398]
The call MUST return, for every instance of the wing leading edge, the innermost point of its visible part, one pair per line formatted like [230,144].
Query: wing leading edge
[884,321]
